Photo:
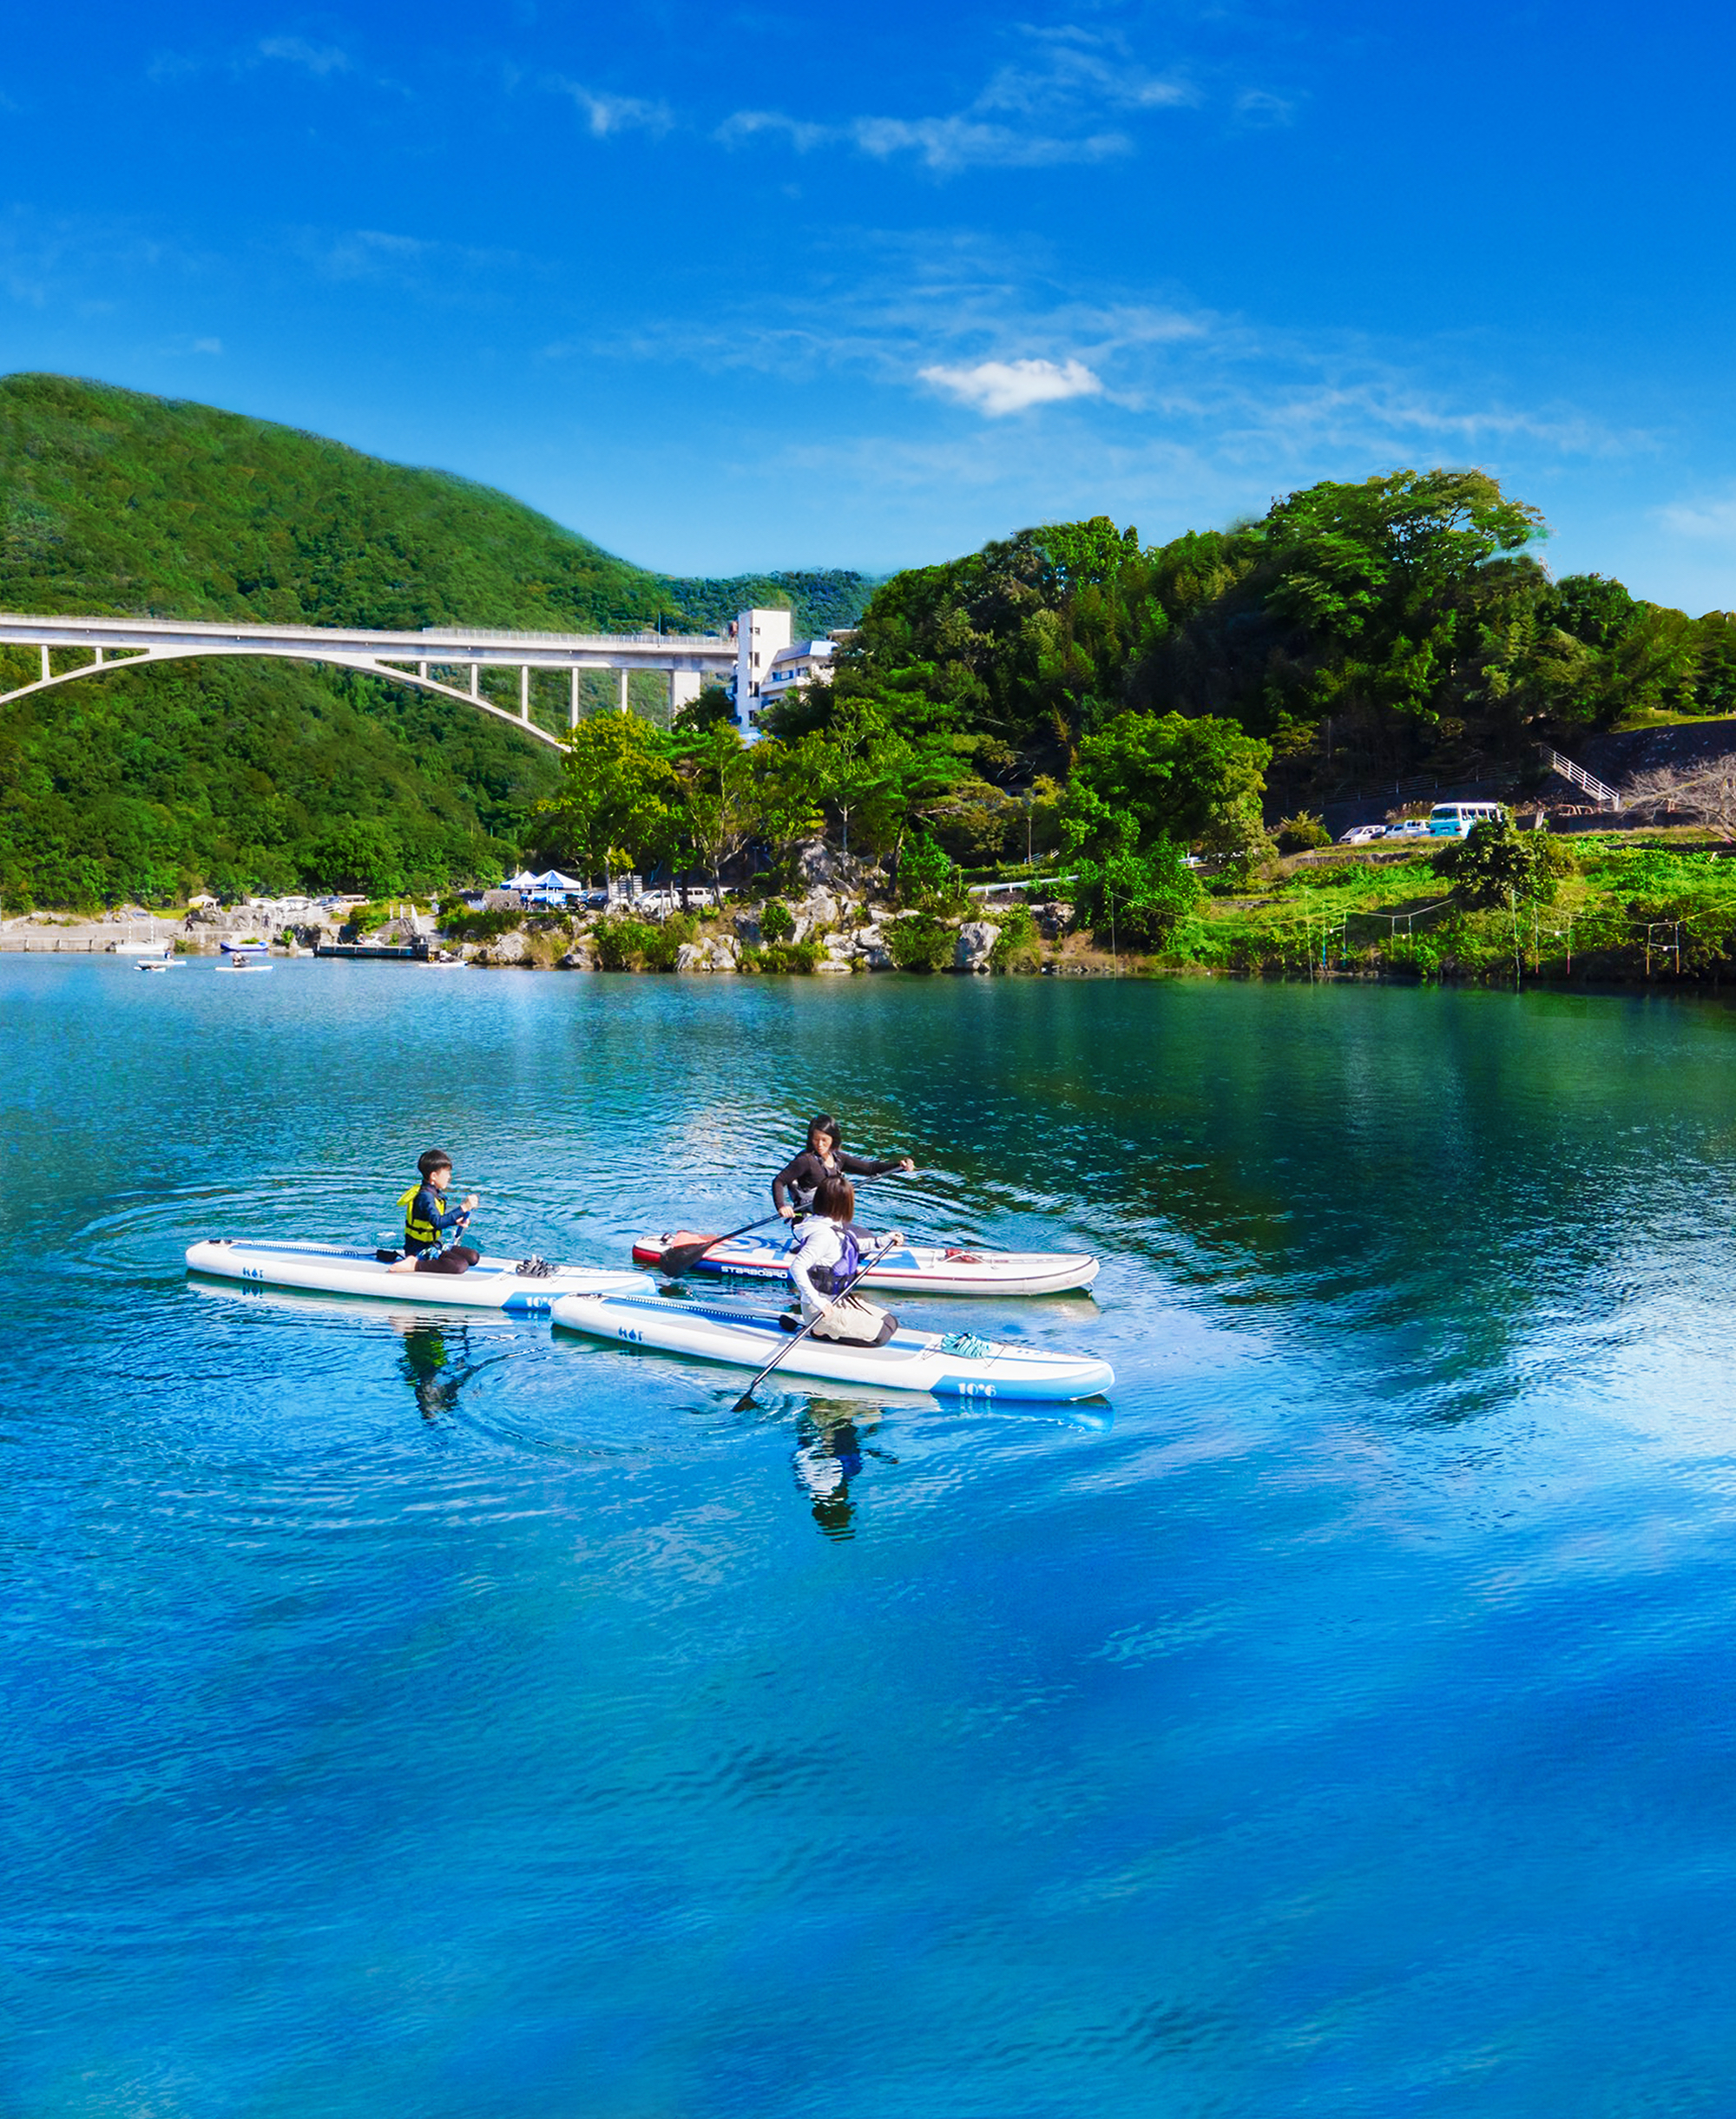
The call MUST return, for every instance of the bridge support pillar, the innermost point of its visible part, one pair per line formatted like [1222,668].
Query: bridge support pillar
[47,672]
[422,671]
[97,664]
[524,691]
[475,674]
[623,686]
[684,689]
[573,697]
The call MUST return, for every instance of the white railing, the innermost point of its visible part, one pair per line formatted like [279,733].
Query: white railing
[1576,776]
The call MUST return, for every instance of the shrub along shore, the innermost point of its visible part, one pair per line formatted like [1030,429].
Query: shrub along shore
[1503,906]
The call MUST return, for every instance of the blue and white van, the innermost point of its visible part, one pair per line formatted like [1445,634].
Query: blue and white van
[1454,820]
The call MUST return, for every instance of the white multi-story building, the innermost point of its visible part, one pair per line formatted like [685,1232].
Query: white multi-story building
[769,665]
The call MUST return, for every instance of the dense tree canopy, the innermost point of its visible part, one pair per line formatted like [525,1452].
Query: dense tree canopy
[1364,628]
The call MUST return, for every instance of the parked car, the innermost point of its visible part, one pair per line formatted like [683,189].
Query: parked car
[1455,819]
[1409,827]
[1360,834]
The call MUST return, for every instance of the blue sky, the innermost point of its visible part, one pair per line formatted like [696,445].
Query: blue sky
[759,285]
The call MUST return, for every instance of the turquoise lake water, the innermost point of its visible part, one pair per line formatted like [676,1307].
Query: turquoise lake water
[450,1720]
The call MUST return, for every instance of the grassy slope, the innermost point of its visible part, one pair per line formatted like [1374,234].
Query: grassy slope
[239,773]
[1356,913]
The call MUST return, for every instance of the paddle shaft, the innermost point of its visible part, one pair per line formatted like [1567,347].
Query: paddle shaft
[796,1338]
[679,1256]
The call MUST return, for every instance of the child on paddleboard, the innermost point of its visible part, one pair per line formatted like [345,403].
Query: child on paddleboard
[793,1187]
[427,1217]
[824,1258]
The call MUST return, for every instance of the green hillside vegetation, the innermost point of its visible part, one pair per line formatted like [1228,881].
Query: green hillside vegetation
[1069,691]
[1125,700]
[249,775]
[116,502]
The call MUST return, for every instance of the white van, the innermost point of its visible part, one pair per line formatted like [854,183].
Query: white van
[1454,820]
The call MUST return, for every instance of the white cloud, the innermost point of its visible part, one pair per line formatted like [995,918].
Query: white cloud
[297,51]
[1712,519]
[208,346]
[605,112]
[964,142]
[802,134]
[1081,67]
[997,387]
[1259,106]
[1063,84]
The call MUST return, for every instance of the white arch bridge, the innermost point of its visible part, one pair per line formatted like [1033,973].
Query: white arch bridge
[684,659]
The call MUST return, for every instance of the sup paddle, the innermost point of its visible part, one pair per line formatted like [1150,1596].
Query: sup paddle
[745,1402]
[680,1257]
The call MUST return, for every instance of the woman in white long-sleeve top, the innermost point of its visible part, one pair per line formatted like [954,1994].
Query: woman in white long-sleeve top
[824,1260]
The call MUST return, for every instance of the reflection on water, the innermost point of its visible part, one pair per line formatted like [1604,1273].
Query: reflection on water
[829,1454]
[430,1368]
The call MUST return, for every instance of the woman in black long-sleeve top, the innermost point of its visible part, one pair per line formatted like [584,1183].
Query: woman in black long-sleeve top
[792,1188]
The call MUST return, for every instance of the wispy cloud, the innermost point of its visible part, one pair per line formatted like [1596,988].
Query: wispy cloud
[997,387]
[1074,67]
[1260,108]
[1044,108]
[1713,521]
[208,346]
[606,113]
[319,59]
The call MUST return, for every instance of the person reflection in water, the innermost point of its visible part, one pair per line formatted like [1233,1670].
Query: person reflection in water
[829,1455]
[427,1367]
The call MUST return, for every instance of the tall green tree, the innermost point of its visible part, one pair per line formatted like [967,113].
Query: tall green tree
[1147,776]
[714,810]
[616,806]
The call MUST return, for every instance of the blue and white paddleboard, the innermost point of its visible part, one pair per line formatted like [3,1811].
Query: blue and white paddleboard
[491,1284]
[951,1363]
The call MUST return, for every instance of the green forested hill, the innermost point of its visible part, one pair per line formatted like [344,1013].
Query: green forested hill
[245,774]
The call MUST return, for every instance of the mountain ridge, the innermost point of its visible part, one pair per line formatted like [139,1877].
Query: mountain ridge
[118,501]
[148,783]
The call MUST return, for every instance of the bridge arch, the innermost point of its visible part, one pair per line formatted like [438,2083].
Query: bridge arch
[685,660]
[416,681]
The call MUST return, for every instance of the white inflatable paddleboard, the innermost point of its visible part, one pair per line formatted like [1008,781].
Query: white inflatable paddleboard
[915,1269]
[951,1363]
[492,1284]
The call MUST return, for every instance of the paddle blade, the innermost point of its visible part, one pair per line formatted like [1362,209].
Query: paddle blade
[744,1403]
[680,1257]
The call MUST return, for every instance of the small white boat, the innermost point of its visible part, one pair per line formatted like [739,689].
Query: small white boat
[157,964]
[245,957]
[491,1284]
[954,1364]
[915,1269]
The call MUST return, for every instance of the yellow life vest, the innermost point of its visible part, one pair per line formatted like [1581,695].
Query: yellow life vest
[415,1229]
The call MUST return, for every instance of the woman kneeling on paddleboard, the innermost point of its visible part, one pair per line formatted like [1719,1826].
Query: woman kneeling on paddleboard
[793,1187]
[824,1258]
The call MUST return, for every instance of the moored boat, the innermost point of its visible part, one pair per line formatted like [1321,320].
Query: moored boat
[491,1284]
[954,1364]
[912,1269]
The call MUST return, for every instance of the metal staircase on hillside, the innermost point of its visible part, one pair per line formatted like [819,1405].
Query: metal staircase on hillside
[1576,776]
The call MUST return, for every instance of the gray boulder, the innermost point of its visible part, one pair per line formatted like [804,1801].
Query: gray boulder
[508,951]
[976,940]
[718,954]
